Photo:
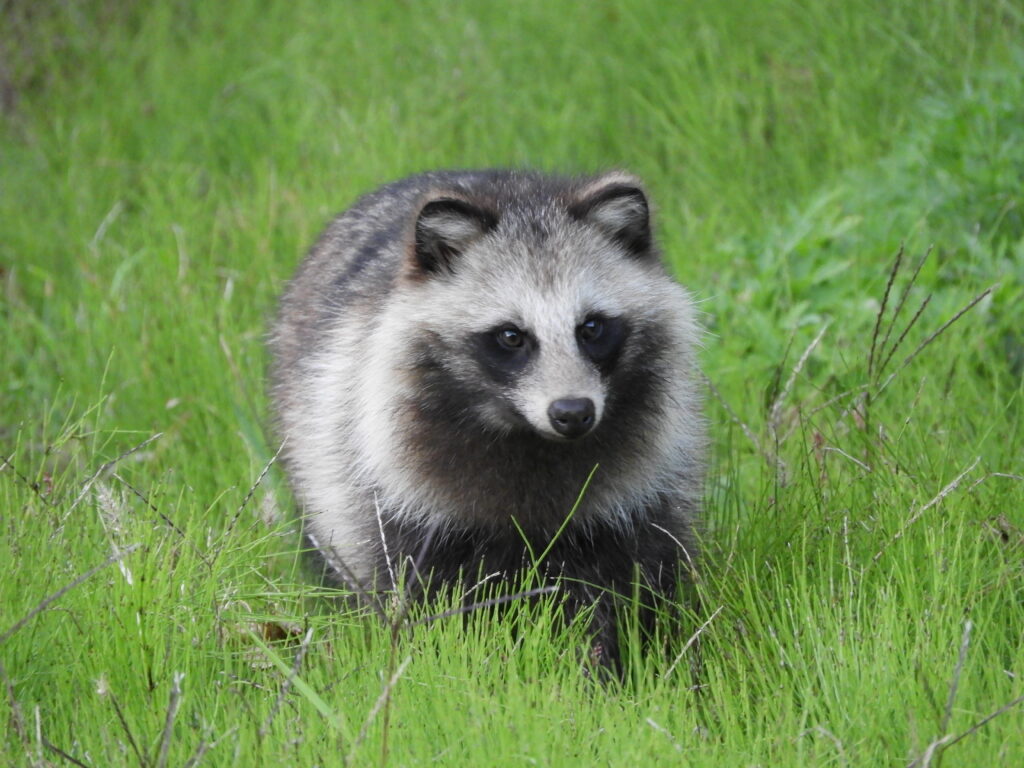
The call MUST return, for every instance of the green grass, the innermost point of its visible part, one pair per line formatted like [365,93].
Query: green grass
[162,170]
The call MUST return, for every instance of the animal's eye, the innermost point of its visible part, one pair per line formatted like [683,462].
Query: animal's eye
[600,338]
[510,337]
[591,329]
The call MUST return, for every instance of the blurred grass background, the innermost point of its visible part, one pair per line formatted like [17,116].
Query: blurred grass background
[163,166]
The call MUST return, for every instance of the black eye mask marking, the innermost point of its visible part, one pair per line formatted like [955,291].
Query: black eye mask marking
[601,338]
[504,351]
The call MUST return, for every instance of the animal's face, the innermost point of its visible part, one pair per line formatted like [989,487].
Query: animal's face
[525,318]
[553,370]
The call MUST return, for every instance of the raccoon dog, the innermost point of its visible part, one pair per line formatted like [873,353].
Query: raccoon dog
[456,355]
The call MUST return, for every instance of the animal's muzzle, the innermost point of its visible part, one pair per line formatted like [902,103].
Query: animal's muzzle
[572,417]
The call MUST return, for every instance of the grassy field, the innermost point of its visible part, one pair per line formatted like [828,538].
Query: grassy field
[164,166]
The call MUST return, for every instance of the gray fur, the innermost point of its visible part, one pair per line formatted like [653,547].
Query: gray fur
[392,426]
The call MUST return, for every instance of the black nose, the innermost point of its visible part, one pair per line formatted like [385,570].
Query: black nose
[572,417]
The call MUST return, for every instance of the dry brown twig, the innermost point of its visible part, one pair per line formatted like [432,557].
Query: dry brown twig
[46,601]
[985,720]
[34,487]
[17,716]
[338,565]
[881,309]
[692,640]
[932,337]
[104,690]
[899,308]
[955,682]
[172,713]
[252,489]
[61,753]
[170,523]
[940,745]
[935,748]
[286,686]
[917,515]
[379,704]
[776,409]
[486,604]
[776,463]
[822,730]
[980,480]
[903,335]
[104,467]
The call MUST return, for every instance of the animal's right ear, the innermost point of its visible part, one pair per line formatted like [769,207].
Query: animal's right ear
[445,227]
[616,204]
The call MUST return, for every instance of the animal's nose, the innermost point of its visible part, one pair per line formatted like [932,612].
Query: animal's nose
[572,417]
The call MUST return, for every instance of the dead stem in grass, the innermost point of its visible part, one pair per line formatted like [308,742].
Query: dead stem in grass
[45,602]
[952,486]
[108,465]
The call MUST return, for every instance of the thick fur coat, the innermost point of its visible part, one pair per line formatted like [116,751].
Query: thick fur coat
[453,359]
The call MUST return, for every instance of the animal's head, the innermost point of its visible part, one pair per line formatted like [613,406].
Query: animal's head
[535,305]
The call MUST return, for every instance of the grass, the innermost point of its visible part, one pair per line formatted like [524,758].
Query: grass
[163,168]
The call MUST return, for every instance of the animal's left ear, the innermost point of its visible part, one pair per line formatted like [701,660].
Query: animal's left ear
[445,227]
[617,205]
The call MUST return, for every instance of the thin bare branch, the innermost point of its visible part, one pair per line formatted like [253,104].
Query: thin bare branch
[903,334]
[198,754]
[899,307]
[841,452]
[820,729]
[664,732]
[65,589]
[985,720]
[172,712]
[481,582]
[143,762]
[916,516]
[982,479]
[204,746]
[338,565]
[104,467]
[382,699]
[692,640]
[967,308]
[421,557]
[775,462]
[732,414]
[835,399]
[955,682]
[34,487]
[286,686]
[62,754]
[170,523]
[881,308]
[384,542]
[17,716]
[776,409]
[935,748]
[252,490]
